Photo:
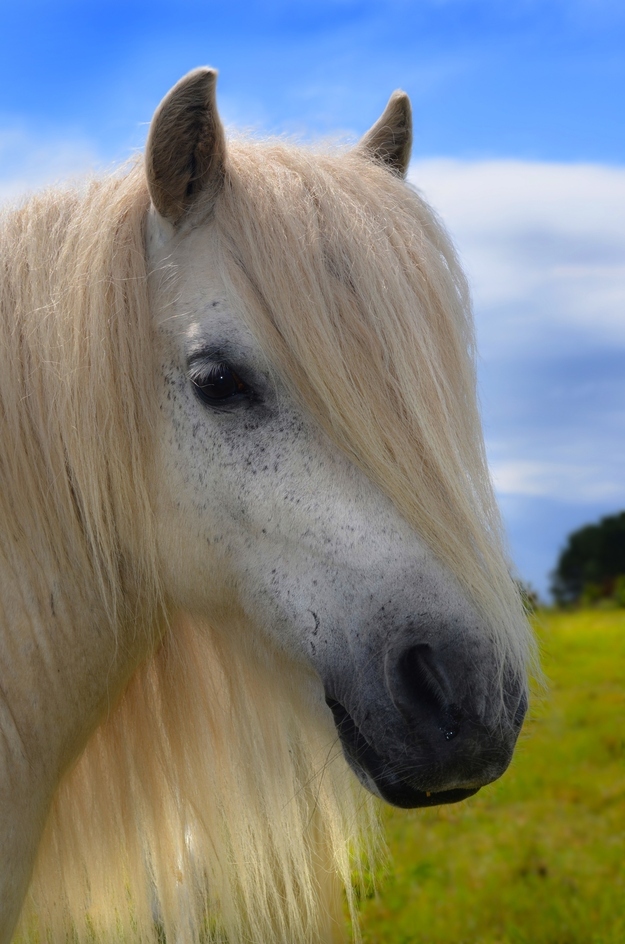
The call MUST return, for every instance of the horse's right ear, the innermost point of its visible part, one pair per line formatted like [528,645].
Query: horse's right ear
[186,148]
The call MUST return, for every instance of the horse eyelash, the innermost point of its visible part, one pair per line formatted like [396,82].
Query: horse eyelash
[198,372]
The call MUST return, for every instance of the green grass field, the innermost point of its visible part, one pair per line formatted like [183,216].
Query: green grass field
[539,857]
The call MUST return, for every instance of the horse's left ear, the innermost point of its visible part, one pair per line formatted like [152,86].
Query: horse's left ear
[186,147]
[389,141]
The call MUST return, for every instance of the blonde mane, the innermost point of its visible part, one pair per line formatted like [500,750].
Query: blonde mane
[77,388]
[213,804]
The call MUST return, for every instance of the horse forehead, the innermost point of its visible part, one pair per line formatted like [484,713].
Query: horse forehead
[209,326]
[182,268]
[200,317]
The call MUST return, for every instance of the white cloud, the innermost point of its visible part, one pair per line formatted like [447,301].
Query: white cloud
[582,483]
[544,245]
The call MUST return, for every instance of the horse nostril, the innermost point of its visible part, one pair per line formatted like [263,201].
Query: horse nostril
[421,679]
[453,718]
[420,688]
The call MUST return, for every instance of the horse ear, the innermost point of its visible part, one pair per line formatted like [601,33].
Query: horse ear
[186,148]
[389,141]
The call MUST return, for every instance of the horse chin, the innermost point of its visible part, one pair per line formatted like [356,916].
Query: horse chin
[401,794]
[376,774]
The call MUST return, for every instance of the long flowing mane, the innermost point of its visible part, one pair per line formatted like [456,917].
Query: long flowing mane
[213,804]
[77,387]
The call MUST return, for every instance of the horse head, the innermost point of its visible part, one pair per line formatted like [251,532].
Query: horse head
[319,464]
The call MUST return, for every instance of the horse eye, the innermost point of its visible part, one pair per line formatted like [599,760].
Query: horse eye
[218,384]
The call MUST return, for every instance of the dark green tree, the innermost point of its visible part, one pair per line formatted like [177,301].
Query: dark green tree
[591,562]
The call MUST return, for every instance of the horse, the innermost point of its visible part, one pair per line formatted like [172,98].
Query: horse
[252,571]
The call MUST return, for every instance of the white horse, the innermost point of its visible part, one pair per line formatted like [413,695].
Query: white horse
[244,505]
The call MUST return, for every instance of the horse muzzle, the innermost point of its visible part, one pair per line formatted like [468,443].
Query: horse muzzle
[435,733]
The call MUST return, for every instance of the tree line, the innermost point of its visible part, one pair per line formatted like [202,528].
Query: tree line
[591,567]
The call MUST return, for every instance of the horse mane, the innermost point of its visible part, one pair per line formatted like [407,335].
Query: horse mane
[212,804]
[77,386]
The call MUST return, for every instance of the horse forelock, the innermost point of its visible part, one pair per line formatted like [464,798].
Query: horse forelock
[350,283]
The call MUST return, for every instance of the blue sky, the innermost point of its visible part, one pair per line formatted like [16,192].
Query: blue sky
[519,143]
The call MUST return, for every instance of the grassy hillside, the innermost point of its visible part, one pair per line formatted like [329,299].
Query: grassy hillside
[539,857]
